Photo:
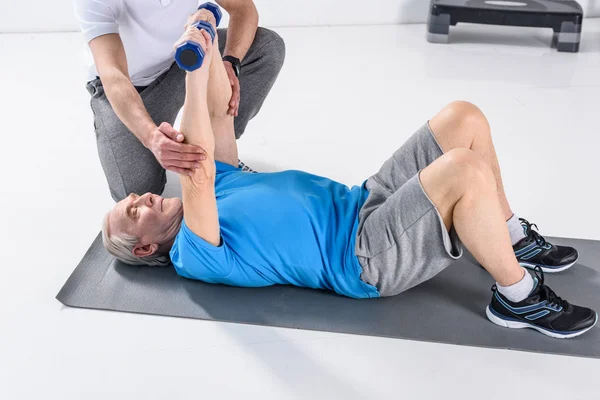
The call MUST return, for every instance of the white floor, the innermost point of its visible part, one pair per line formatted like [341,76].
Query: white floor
[346,98]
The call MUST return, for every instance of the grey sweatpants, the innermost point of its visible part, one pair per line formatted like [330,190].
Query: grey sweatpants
[401,239]
[130,167]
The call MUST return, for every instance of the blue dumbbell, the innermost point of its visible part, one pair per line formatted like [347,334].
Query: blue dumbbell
[213,8]
[189,55]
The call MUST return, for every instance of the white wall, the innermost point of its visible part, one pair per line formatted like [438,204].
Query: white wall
[57,15]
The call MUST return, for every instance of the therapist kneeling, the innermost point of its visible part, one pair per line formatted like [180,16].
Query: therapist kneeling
[137,90]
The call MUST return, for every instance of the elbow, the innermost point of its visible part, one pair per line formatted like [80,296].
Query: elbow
[245,10]
[202,180]
[113,79]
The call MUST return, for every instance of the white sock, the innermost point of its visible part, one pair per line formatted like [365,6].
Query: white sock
[517,291]
[515,229]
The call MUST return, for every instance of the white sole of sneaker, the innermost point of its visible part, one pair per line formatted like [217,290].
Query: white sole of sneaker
[546,270]
[520,325]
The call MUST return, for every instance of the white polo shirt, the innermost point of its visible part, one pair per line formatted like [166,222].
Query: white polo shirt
[148,29]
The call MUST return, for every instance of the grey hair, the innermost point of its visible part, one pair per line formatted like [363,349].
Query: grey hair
[121,246]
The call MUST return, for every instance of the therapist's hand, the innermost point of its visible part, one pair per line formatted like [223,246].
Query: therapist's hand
[172,154]
[234,103]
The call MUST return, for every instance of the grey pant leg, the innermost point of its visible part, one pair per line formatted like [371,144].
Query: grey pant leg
[420,150]
[401,239]
[260,68]
[130,167]
[404,242]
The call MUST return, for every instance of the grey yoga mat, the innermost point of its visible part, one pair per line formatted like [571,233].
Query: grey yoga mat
[450,308]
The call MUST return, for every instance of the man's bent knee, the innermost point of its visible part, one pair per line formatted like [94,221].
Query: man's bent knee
[466,118]
[459,124]
[465,111]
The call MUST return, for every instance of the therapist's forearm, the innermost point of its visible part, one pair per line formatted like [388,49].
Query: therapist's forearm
[128,105]
[243,22]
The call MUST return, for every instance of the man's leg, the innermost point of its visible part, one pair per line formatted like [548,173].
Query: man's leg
[411,235]
[130,167]
[463,188]
[260,68]
[461,125]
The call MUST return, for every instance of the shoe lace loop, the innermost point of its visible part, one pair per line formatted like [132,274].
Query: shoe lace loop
[531,234]
[547,293]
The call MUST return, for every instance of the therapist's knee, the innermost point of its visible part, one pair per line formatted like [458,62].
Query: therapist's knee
[271,47]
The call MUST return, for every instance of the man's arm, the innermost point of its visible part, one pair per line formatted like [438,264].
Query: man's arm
[219,93]
[98,20]
[199,202]
[243,22]
[111,63]
[164,141]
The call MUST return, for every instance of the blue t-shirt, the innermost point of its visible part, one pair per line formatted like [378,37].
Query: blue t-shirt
[289,228]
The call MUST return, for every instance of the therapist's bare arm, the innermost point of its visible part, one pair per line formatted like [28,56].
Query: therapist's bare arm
[243,22]
[164,141]
[198,190]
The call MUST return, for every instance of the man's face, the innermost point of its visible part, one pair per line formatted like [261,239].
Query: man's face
[151,218]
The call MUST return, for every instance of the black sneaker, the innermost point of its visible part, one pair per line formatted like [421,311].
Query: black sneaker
[534,250]
[245,168]
[543,311]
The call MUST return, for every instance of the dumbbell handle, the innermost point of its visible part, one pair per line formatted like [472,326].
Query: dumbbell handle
[189,55]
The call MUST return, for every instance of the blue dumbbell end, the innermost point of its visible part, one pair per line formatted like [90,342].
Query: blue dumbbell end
[189,55]
[212,7]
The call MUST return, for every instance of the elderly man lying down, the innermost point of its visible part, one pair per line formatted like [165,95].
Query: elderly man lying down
[398,229]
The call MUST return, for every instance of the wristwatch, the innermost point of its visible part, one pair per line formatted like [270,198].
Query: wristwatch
[236,63]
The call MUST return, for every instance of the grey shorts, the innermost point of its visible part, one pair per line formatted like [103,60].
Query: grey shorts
[401,239]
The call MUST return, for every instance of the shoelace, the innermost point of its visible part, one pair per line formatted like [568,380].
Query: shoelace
[548,294]
[539,239]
